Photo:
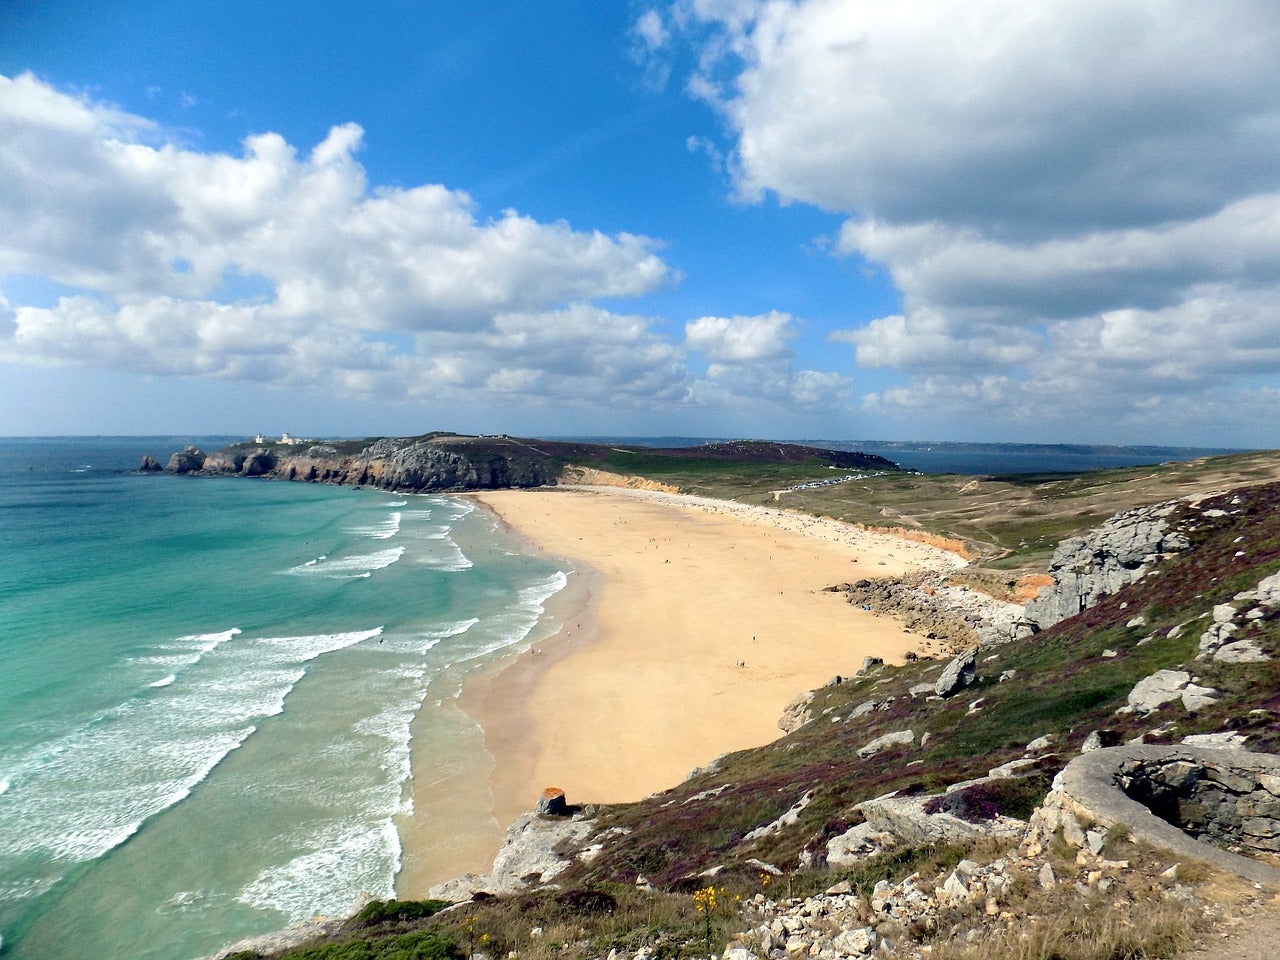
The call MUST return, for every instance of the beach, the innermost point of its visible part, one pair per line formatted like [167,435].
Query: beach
[688,628]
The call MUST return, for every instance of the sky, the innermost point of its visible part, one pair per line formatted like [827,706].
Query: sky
[1055,221]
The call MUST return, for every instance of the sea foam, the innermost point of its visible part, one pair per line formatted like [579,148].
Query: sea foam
[347,568]
[339,861]
[75,797]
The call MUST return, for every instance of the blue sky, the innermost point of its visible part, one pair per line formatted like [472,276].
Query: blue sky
[797,219]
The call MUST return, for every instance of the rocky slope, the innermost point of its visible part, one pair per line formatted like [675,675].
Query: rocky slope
[1122,550]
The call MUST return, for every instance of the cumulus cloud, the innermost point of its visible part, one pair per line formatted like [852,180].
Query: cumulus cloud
[90,209]
[750,358]
[1078,200]
[287,267]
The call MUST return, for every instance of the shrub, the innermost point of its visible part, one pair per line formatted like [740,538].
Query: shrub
[395,911]
[587,902]
[409,946]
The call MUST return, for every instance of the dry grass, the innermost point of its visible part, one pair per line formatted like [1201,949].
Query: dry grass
[1098,928]
[580,925]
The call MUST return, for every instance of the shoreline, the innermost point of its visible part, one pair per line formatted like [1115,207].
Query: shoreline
[472,798]
[688,627]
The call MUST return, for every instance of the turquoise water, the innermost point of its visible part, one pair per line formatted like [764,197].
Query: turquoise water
[206,690]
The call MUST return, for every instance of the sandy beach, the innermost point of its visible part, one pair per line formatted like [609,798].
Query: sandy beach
[689,627]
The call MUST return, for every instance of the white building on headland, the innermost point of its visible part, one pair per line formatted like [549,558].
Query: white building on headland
[285,439]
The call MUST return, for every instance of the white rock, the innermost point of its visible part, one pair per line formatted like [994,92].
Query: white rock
[1162,686]
[1072,832]
[879,744]
[1223,739]
[1195,697]
[862,709]
[1242,651]
[1223,613]
[1047,880]
[858,942]
[957,674]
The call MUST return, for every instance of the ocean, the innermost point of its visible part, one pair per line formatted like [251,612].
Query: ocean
[208,689]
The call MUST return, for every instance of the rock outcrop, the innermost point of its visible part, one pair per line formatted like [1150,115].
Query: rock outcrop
[431,463]
[937,610]
[530,856]
[188,460]
[1167,797]
[957,674]
[1089,567]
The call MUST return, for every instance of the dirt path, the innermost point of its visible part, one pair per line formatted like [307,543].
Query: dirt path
[1253,934]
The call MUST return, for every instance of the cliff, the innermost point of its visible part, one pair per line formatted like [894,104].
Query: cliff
[434,462]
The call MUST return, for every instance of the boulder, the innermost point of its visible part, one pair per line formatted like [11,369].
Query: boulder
[1242,651]
[880,744]
[552,803]
[796,714]
[150,465]
[1163,686]
[1196,697]
[957,675]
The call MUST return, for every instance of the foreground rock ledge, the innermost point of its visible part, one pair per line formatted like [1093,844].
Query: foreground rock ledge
[1090,789]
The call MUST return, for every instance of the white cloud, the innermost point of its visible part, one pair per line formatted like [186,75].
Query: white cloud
[750,358]
[291,269]
[740,339]
[650,39]
[1078,200]
[651,30]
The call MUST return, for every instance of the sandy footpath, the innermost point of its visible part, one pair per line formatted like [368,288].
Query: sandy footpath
[705,620]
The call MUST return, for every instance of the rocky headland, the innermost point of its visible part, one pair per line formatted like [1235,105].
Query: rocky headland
[442,463]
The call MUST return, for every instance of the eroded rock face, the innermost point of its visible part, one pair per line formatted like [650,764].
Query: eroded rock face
[389,463]
[1101,562]
[188,460]
[532,854]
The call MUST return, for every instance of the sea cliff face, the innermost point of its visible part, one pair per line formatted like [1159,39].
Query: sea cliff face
[446,463]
